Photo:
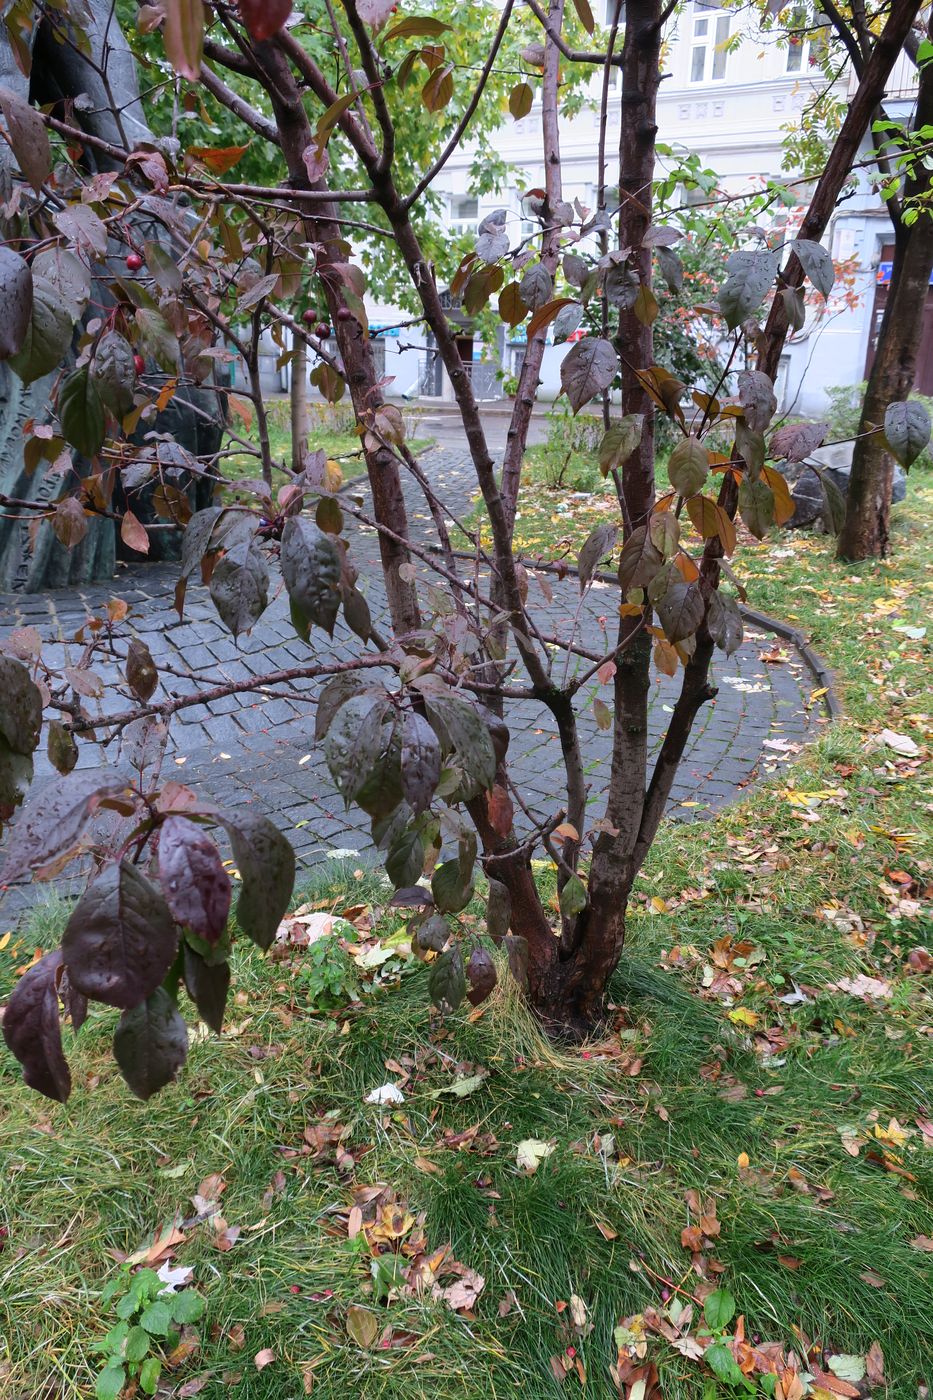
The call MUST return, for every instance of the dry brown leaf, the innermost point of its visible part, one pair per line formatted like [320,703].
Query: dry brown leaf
[263,1358]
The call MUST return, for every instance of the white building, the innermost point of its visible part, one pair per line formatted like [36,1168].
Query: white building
[727,97]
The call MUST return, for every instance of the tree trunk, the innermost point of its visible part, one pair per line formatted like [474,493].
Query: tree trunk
[299,402]
[868,506]
[569,997]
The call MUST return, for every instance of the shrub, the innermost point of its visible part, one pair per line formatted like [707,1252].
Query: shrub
[567,459]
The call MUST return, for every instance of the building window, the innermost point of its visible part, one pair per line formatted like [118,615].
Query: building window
[708,48]
[801,18]
[464,214]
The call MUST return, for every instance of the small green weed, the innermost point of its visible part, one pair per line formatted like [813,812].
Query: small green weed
[151,1315]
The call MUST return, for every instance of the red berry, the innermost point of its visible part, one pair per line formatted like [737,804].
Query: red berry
[344,313]
[309,316]
[322,330]
[134,262]
[139,364]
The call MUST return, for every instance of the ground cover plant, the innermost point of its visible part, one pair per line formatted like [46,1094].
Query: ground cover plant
[768,1048]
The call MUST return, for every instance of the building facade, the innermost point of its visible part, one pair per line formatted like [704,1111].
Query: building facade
[728,97]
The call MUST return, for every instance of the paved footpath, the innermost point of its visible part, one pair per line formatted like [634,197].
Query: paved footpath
[258,748]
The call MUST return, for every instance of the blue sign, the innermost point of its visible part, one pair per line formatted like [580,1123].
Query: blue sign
[884,273]
[389,332]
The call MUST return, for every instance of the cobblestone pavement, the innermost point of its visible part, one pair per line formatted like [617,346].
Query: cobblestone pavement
[258,747]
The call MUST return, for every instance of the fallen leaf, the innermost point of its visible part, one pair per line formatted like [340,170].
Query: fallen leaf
[874,1364]
[531,1153]
[923,1242]
[362,1326]
[900,743]
[460,1088]
[263,1358]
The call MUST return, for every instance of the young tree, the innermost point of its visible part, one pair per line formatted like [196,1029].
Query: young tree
[415,723]
[865,532]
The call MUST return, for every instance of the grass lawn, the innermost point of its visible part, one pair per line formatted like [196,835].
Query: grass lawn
[769,1050]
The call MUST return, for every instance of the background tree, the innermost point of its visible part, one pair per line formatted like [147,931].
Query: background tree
[414,720]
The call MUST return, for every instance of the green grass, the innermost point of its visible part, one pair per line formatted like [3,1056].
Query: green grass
[783,1084]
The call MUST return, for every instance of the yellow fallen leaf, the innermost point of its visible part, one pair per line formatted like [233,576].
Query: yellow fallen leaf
[741,1016]
[658,904]
[743,1161]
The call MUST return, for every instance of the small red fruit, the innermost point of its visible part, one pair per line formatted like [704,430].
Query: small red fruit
[134,262]
[309,316]
[322,330]
[139,364]
[344,313]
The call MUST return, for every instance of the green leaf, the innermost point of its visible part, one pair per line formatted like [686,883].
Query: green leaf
[113,372]
[688,466]
[466,730]
[20,706]
[451,888]
[187,1306]
[521,100]
[149,1374]
[719,1309]
[573,897]
[750,275]
[620,440]
[847,1367]
[150,1045]
[588,368]
[310,563]
[110,1382]
[355,741]
[724,622]
[906,430]
[446,981]
[405,860]
[207,984]
[421,761]
[598,545]
[816,263]
[239,588]
[48,334]
[81,413]
[639,561]
[16,296]
[756,506]
[680,609]
[722,1363]
[266,864]
[158,339]
[137,1344]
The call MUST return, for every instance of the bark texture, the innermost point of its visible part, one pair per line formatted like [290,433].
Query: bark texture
[868,504]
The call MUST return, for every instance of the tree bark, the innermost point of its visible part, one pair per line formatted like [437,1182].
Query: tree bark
[298,402]
[868,505]
[570,996]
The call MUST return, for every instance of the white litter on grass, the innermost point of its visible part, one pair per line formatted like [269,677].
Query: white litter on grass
[387,1093]
[341,853]
[174,1278]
